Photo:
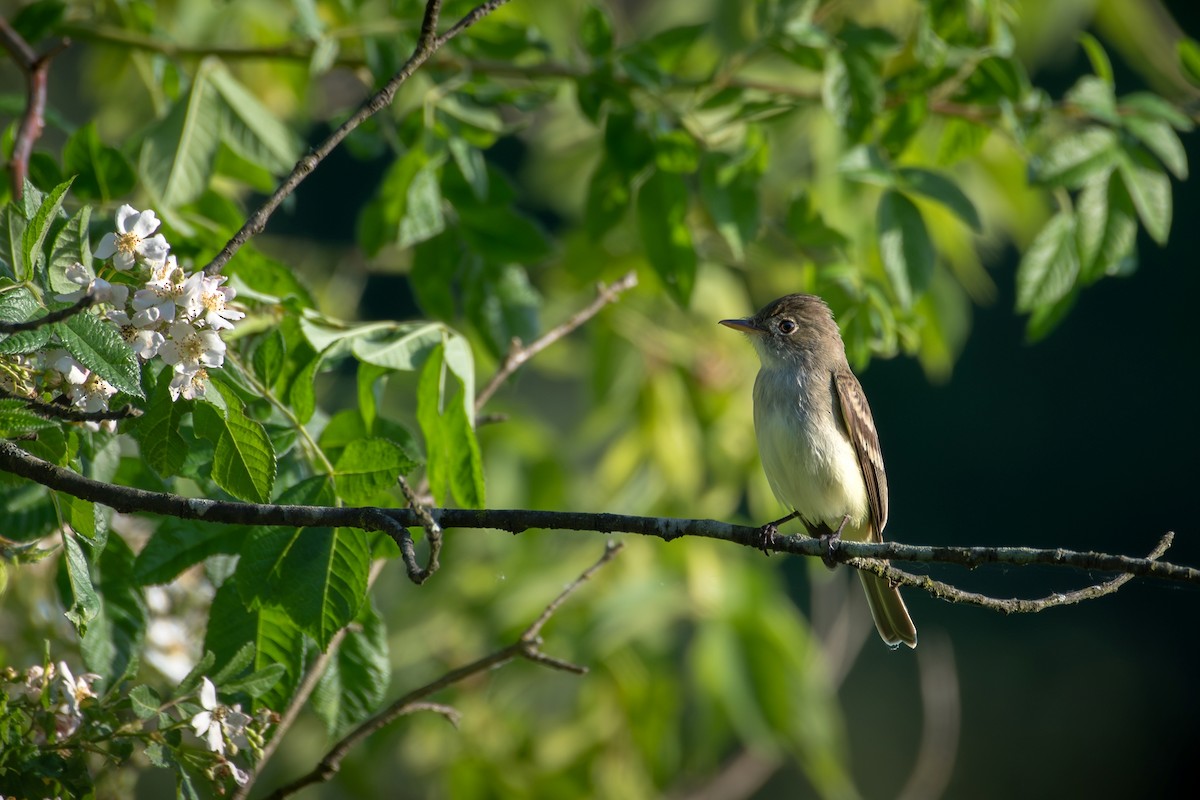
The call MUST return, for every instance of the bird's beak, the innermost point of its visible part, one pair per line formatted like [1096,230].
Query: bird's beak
[746,325]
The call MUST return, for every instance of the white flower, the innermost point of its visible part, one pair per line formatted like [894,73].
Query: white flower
[76,689]
[133,239]
[88,390]
[189,385]
[166,289]
[217,722]
[72,370]
[188,349]
[210,304]
[104,292]
[239,776]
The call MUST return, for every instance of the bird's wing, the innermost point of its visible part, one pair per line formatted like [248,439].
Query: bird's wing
[860,427]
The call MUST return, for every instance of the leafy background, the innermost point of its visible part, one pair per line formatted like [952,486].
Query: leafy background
[1082,440]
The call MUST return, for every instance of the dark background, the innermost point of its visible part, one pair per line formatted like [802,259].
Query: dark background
[1085,440]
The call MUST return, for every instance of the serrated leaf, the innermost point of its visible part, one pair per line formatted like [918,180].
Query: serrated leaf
[662,222]
[157,430]
[402,347]
[269,356]
[244,459]
[144,702]
[453,461]
[257,683]
[367,467]
[852,89]
[1106,230]
[16,418]
[1150,189]
[275,637]
[942,189]
[71,246]
[904,246]
[81,600]
[12,228]
[1161,140]
[1050,266]
[97,345]
[177,156]
[1077,158]
[35,233]
[356,680]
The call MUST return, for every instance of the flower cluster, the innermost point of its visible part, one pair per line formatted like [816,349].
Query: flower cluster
[173,316]
[54,688]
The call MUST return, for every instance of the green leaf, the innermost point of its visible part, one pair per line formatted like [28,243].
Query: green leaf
[71,246]
[1095,97]
[356,680]
[1050,266]
[453,460]
[80,598]
[503,305]
[101,172]
[157,431]
[178,155]
[1077,158]
[1095,53]
[1045,318]
[608,198]
[627,143]
[1150,189]
[595,32]
[257,683]
[269,356]
[248,127]
[423,217]
[732,201]
[1106,230]
[12,229]
[960,139]
[179,544]
[144,702]
[1151,106]
[852,90]
[1188,51]
[275,637]
[904,246]
[35,233]
[1161,140]
[662,222]
[97,345]
[114,639]
[244,459]
[367,467]
[676,151]
[400,347]
[942,189]
[17,419]
[407,207]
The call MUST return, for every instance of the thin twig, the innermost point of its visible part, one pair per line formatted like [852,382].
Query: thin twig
[526,646]
[518,354]
[428,44]
[433,531]
[860,555]
[36,68]
[56,411]
[48,319]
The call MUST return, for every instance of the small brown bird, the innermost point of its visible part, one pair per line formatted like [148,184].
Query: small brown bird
[817,440]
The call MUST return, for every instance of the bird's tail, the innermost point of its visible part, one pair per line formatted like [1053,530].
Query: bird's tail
[888,611]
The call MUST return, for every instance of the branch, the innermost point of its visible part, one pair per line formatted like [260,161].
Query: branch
[527,646]
[860,555]
[427,45]
[518,354]
[48,319]
[33,120]
[56,411]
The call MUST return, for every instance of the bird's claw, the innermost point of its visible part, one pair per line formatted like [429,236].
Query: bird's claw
[764,538]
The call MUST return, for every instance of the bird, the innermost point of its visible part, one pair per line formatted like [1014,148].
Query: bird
[817,440]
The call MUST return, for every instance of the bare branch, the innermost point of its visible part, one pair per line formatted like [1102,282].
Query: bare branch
[426,47]
[48,319]
[56,411]
[526,646]
[860,555]
[518,354]
[36,68]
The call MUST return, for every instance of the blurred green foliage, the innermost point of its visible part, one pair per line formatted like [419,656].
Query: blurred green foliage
[876,154]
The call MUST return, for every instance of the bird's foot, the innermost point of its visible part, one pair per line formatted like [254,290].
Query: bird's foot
[764,537]
[830,540]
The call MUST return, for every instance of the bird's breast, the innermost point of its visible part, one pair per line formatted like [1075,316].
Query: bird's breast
[806,454]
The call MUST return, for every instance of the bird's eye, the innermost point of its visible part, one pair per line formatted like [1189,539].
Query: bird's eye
[787,327]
